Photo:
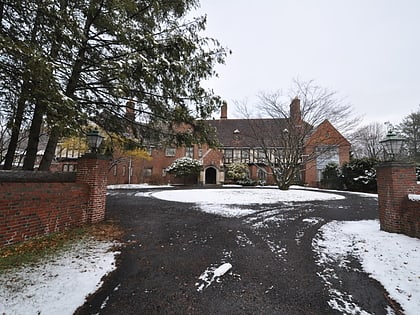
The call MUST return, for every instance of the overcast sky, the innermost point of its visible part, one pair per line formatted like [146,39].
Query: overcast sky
[366,50]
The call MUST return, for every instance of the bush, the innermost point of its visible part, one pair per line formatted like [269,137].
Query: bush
[238,172]
[184,166]
[360,175]
[331,177]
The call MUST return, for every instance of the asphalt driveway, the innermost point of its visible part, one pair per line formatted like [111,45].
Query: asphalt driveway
[169,245]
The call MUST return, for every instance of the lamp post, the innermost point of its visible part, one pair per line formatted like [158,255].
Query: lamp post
[94,140]
[392,144]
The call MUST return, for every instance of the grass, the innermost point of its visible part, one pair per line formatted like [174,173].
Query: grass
[33,250]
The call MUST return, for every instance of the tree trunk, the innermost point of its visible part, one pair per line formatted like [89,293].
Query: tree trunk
[49,153]
[1,11]
[17,124]
[33,140]
[11,150]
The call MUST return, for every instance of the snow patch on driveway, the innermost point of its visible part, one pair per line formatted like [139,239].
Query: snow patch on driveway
[211,275]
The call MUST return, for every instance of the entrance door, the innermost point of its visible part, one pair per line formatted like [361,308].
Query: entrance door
[210,176]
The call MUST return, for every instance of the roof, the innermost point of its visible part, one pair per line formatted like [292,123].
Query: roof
[242,133]
[248,132]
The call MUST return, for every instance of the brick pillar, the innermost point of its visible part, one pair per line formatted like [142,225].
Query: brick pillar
[92,169]
[395,181]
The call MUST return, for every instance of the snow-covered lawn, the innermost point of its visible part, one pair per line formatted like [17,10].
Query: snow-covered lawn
[392,259]
[60,285]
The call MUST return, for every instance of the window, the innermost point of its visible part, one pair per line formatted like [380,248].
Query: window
[245,155]
[236,135]
[164,172]
[277,155]
[123,170]
[237,155]
[326,155]
[228,156]
[259,156]
[59,151]
[69,168]
[147,172]
[115,170]
[170,151]
[262,176]
[189,152]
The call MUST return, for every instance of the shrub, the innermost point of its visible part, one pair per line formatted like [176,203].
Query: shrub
[184,166]
[238,171]
[360,175]
[331,177]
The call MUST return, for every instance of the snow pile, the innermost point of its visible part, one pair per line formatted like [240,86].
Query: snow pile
[59,284]
[214,274]
[392,259]
[211,275]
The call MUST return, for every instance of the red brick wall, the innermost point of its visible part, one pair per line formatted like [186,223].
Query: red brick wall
[411,219]
[396,212]
[34,204]
[34,209]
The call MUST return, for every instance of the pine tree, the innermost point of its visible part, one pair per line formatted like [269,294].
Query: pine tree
[94,56]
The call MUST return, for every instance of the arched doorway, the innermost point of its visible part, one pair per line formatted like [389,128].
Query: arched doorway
[210,177]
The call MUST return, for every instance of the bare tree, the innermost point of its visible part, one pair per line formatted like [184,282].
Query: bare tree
[366,141]
[283,137]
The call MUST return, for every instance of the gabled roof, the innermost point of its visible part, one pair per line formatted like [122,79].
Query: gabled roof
[326,134]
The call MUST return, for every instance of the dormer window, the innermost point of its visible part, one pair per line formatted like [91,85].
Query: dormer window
[236,134]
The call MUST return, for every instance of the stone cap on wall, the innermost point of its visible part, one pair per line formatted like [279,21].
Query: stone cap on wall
[36,177]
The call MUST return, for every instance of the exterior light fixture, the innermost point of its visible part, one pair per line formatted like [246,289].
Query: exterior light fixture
[94,140]
[392,144]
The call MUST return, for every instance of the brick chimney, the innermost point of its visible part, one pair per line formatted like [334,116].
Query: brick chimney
[295,113]
[129,111]
[223,111]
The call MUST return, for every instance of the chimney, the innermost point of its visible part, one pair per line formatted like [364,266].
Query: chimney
[295,113]
[129,111]
[223,111]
